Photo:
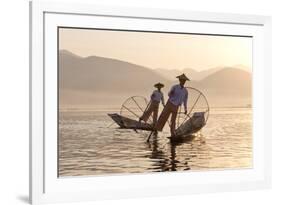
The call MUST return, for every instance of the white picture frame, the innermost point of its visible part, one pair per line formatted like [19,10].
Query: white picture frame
[46,187]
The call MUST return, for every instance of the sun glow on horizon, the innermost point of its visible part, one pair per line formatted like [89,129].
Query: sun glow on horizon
[160,50]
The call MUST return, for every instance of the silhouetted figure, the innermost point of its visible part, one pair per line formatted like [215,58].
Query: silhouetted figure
[155,99]
[178,95]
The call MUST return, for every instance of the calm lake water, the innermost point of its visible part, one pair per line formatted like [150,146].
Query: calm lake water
[88,146]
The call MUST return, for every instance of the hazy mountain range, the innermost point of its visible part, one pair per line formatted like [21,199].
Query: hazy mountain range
[104,81]
[192,74]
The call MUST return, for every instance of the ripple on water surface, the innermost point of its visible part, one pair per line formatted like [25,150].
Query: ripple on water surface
[87,146]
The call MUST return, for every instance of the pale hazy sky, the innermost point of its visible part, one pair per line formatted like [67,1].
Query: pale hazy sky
[160,50]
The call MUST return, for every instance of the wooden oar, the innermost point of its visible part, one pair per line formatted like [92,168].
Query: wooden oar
[152,132]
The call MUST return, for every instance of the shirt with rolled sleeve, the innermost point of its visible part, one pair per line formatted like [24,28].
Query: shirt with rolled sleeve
[178,95]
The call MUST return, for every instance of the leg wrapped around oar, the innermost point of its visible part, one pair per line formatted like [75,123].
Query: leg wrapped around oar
[152,109]
[167,111]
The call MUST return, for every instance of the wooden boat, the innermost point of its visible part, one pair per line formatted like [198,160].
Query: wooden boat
[192,125]
[189,127]
[127,123]
[187,124]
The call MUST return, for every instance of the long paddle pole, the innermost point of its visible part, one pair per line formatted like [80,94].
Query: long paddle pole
[150,135]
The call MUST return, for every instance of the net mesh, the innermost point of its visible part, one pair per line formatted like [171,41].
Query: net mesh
[134,107]
[197,102]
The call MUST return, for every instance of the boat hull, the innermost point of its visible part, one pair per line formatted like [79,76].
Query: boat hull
[127,123]
[188,128]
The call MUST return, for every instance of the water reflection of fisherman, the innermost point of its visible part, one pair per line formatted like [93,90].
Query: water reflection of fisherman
[178,95]
[165,161]
[153,106]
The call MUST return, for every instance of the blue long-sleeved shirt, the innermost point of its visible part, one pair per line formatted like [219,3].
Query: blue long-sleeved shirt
[157,96]
[178,95]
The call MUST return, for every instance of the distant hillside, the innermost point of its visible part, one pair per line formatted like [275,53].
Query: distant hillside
[104,74]
[168,74]
[103,81]
[228,87]
[191,73]
[229,80]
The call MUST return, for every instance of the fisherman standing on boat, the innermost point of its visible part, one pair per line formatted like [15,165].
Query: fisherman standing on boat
[178,95]
[153,106]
